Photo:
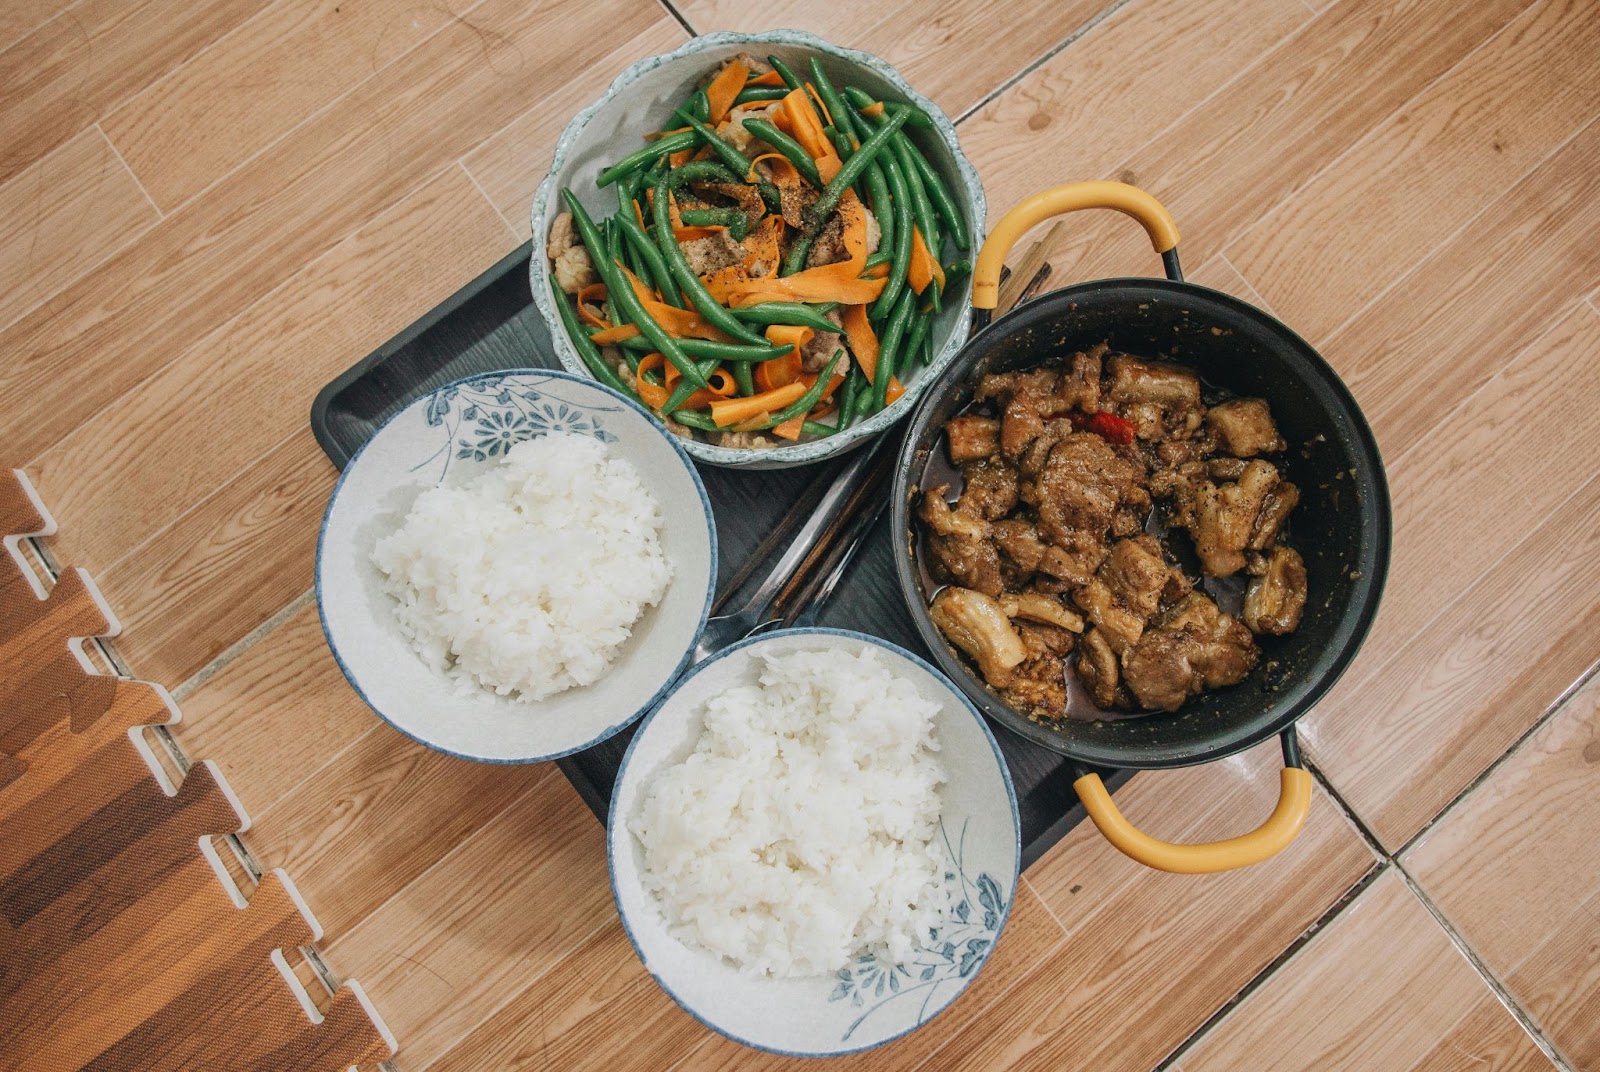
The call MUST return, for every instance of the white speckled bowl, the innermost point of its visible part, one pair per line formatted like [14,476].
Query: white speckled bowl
[868,1003]
[642,98]
[448,437]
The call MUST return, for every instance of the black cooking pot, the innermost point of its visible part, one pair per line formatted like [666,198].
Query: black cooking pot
[1341,526]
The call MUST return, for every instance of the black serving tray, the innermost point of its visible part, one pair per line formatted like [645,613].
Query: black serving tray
[492,324]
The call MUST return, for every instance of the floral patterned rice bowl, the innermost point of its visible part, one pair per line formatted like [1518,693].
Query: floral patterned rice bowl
[449,437]
[868,1003]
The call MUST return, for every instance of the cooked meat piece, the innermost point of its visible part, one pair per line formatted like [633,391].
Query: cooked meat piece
[712,252]
[1020,543]
[971,438]
[747,439]
[1083,486]
[1276,599]
[1244,427]
[1225,517]
[1197,648]
[1225,468]
[1099,669]
[1136,574]
[1038,685]
[1020,425]
[1275,510]
[1159,671]
[1038,607]
[960,543]
[1120,626]
[574,270]
[990,492]
[733,130]
[1080,387]
[978,626]
[1035,385]
[1170,453]
[1072,567]
[829,247]
[1160,400]
[815,355]
[1170,386]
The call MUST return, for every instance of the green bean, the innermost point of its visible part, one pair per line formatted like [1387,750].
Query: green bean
[914,336]
[661,147]
[707,348]
[797,314]
[741,378]
[790,79]
[956,273]
[842,143]
[819,212]
[888,350]
[681,393]
[699,421]
[804,403]
[699,171]
[817,428]
[787,146]
[647,251]
[734,219]
[878,195]
[921,207]
[838,111]
[943,203]
[587,350]
[751,94]
[618,288]
[700,105]
[710,310]
[730,156]
[901,258]
[883,256]
[849,397]
[915,116]
[799,251]
[926,357]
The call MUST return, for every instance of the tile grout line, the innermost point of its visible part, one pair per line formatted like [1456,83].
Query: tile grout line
[1379,124]
[1270,969]
[1251,287]
[189,684]
[1417,264]
[679,17]
[1049,54]
[121,160]
[1393,463]
[476,185]
[1490,980]
[1548,715]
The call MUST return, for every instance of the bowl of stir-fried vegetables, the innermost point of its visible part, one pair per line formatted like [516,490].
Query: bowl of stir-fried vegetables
[765,239]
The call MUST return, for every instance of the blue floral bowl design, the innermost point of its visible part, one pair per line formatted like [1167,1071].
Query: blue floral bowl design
[447,437]
[643,97]
[869,1002]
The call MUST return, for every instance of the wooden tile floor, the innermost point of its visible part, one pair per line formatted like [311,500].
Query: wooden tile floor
[210,207]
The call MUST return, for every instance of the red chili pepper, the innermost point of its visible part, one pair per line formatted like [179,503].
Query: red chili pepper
[1105,425]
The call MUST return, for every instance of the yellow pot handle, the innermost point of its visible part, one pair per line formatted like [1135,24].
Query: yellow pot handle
[1057,202]
[1269,839]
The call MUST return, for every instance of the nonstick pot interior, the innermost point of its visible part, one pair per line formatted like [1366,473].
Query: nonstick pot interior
[1341,526]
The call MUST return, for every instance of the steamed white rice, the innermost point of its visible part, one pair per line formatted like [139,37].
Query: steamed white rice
[528,578]
[799,832]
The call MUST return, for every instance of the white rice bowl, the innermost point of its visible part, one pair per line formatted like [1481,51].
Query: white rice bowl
[528,578]
[876,997]
[799,832]
[449,438]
